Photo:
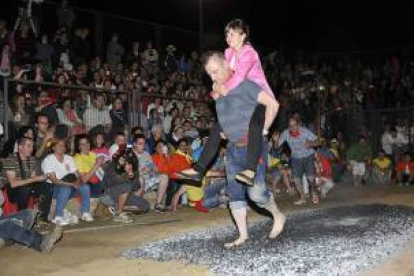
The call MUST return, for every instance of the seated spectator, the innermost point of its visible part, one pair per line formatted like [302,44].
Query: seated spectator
[155,137]
[161,158]
[359,155]
[11,146]
[21,114]
[89,165]
[150,178]
[68,117]
[121,181]
[47,106]
[381,172]
[22,180]
[181,160]
[323,180]
[17,228]
[99,147]
[405,170]
[97,115]
[65,177]
[44,136]
[119,145]
[176,135]
[278,165]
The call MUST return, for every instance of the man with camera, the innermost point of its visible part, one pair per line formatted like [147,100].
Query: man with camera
[22,180]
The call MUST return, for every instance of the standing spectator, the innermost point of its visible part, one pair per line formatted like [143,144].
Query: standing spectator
[134,56]
[301,142]
[24,182]
[393,143]
[405,170]
[150,55]
[359,155]
[80,50]
[65,177]
[44,52]
[114,52]
[66,16]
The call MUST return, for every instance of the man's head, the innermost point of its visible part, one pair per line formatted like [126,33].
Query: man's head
[183,145]
[139,143]
[42,123]
[216,66]
[293,124]
[25,146]
[120,139]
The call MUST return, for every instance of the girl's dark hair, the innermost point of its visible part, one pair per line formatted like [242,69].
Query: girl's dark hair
[22,131]
[240,25]
[63,100]
[77,140]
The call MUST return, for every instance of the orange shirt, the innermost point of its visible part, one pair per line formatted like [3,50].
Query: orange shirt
[402,166]
[178,163]
[162,163]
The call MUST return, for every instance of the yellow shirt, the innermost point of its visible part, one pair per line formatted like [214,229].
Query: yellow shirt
[85,162]
[196,193]
[382,164]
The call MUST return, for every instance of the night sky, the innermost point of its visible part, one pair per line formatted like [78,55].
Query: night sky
[313,25]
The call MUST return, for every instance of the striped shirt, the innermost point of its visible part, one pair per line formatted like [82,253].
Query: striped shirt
[298,144]
[12,165]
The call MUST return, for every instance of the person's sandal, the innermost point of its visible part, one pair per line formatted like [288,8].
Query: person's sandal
[244,178]
[299,202]
[315,197]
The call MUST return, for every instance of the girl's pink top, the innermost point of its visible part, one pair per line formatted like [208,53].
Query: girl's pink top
[246,65]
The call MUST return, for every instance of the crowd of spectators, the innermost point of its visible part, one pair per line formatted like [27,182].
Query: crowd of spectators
[77,143]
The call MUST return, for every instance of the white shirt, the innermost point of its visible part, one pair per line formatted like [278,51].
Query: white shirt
[388,142]
[52,165]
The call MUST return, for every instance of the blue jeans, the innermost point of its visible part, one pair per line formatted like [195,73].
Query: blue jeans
[237,192]
[64,193]
[212,193]
[16,228]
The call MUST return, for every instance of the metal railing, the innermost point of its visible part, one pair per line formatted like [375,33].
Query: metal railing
[132,99]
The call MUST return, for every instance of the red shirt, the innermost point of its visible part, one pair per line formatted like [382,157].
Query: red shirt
[402,166]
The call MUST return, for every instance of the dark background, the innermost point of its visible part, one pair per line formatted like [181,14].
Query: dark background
[311,25]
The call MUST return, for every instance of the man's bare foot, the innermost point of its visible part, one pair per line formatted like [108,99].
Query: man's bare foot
[234,244]
[278,224]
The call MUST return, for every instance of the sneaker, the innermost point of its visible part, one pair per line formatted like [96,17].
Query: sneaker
[87,217]
[73,219]
[61,221]
[112,210]
[159,208]
[122,217]
[50,239]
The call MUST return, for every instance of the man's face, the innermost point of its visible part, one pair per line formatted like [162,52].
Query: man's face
[218,70]
[26,148]
[139,145]
[43,123]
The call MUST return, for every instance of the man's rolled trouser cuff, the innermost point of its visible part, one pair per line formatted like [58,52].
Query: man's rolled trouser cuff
[238,204]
